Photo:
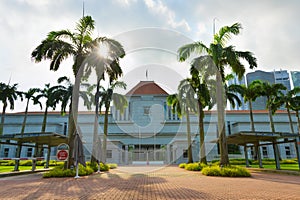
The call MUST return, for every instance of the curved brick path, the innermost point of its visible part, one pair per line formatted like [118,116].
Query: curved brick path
[151,183]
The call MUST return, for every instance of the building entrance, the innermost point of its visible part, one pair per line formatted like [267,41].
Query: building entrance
[147,154]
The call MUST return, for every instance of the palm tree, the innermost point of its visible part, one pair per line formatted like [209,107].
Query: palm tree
[295,105]
[221,56]
[202,83]
[29,95]
[286,99]
[182,104]
[273,92]
[120,102]
[8,95]
[53,97]
[250,93]
[60,45]
[105,63]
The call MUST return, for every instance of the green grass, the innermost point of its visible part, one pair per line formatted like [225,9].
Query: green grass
[293,167]
[4,169]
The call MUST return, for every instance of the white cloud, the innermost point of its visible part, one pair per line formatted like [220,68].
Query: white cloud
[158,7]
[126,2]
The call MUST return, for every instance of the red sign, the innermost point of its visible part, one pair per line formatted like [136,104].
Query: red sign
[62,155]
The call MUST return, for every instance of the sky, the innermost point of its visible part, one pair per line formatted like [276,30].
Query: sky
[151,31]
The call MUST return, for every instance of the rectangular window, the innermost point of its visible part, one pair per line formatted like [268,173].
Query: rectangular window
[265,152]
[6,152]
[288,152]
[29,152]
[109,154]
[146,110]
[185,153]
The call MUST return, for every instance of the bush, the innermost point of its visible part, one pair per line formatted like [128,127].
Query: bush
[7,162]
[60,172]
[194,166]
[112,165]
[94,166]
[231,171]
[289,161]
[239,161]
[25,162]
[182,165]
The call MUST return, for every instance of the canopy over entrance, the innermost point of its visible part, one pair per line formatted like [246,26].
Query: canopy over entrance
[42,138]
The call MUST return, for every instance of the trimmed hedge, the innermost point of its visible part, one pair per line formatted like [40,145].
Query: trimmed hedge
[112,165]
[60,172]
[230,171]
[182,165]
[194,166]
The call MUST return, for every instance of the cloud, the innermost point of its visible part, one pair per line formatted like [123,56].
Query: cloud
[126,2]
[157,7]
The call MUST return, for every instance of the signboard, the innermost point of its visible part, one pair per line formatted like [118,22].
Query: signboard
[62,152]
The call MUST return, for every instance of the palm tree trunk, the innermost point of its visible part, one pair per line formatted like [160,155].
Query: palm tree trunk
[275,146]
[73,112]
[188,129]
[96,123]
[224,159]
[271,120]
[297,115]
[105,134]
[2,118]
[251,116]
[19,148]
[45,120]
[290,119]
[201,134]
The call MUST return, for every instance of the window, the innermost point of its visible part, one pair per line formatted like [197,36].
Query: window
[265,152]
[6,152]
[288,152]
[185,153]
[29,152]
[146,110]
[109,154]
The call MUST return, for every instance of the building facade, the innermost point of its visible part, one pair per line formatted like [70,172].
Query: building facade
[148,132]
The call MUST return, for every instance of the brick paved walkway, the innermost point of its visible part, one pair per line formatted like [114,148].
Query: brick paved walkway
[150,183]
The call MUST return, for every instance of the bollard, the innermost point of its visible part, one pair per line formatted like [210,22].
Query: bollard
[33,164]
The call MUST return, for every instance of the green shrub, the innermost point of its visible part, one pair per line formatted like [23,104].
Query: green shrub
[194,166]
[182,165]
[112,165]
[60,172]
[239,161]
[94,166]
[25,162]
[231,171]
[289,161]
[8,163]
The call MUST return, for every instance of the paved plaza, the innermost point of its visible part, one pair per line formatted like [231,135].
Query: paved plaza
[145,182]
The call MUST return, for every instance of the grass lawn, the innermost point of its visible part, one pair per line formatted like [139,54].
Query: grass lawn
[294,167]
[21,168]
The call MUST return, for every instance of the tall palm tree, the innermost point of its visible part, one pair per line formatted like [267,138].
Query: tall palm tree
[286,99]
[183,103]
[120,102]
[29,95]
[104,60]
[201,83]
[53,96]
[295,105]
[273,92]
[250,93]
[60,45]
[222,56]
[8,95]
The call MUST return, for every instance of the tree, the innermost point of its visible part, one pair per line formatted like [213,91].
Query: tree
[120,102]
[60,45]
[104,60]
[286,99]
[221,56]
[29,95]
[295,105]
[273,93]
[8,95]
[53,96]
[182,104]
[202,85]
